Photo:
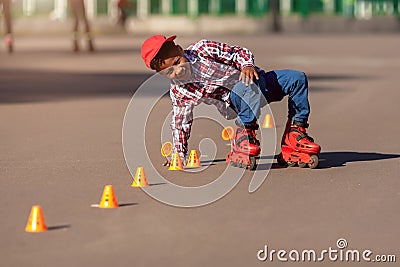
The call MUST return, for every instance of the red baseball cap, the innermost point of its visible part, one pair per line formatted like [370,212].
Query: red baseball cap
[152,45]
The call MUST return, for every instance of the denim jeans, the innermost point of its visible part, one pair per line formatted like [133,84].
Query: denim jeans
[272,86]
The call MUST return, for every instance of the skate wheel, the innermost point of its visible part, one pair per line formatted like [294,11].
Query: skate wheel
[314,162]
[280,160]
[291,164]
[301,164]
[253,163]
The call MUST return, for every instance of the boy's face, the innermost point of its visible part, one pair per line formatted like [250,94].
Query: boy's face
[175,66]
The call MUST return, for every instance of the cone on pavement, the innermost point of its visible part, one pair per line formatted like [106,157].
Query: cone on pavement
[268,123]
[176,163]
[108,200]
[36,222]
[227,133]
[194,161]
[140,178]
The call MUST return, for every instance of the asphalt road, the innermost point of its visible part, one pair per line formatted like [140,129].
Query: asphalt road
[61,118]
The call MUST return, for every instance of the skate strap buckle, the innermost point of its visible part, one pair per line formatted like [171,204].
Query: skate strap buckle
[302,136]
[252,139]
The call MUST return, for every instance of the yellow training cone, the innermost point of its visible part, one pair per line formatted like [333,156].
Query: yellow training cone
[268,123]
[194,161]
[140,178]
[176,163]
[227,133]
[36,222]
[108,199]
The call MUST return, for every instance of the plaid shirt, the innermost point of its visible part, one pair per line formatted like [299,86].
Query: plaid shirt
[216,68]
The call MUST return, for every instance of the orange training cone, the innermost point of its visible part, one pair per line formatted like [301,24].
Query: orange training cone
[268,123]
[108,200]
[36,222]
[227,133]
[140,178]
[166,149]
[194,161]
[176,163]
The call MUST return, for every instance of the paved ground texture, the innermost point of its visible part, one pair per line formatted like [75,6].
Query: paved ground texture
[61,118]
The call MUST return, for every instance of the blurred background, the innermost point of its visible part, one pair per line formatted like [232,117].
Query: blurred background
[208,16]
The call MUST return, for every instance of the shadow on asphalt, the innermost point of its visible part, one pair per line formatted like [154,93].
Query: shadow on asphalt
[331,159]
[58,227]
[127,204]
[24,86]
[339,159]
[212,160]
[334,77]
[155,184]
[83,52]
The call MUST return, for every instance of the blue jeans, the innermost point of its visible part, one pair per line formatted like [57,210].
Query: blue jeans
[272,86]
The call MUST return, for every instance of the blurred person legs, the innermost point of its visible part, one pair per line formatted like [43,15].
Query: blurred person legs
[5,4]
[122,12]
[79,13]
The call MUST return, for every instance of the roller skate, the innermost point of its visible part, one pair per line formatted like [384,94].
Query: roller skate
[90,45]
[297,147]
[244,148]
[75,42]
[89,40]
[9,43]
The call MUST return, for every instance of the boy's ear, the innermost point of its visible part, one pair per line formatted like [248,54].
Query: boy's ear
[180,49]
[174,51]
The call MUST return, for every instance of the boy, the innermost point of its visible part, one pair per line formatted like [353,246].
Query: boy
[225,75]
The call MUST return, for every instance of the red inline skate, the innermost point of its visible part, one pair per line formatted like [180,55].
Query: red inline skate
[297,147]
[244,148]
[9,43]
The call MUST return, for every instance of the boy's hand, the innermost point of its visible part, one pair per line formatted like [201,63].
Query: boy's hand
[168,163]
[248,74]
